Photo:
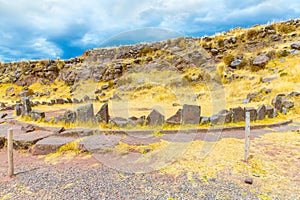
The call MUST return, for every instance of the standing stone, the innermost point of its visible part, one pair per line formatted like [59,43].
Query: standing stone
[69,116]
[277,101]
[37,115]
[224,116]
[270,111]
[191,114]
[238,114]
[252,111]
[85,113]
[155,118]
[27,107]
[103,116]
[175,119]
[261,112]
[19,109]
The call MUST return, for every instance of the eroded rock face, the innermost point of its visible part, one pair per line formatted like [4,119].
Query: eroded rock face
[85,113]
[155,118]
[103,116]
[191,114]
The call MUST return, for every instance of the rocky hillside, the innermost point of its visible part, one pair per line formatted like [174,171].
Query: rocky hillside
[194,59]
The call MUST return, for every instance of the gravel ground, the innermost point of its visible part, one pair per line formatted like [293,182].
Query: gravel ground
[104,183]
[87,179]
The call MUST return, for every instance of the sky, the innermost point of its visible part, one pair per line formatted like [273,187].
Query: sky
[48,29]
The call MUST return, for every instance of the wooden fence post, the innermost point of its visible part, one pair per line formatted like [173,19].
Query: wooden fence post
[247,136]
[10,152]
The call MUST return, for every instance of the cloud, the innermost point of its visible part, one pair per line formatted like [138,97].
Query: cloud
[66,27]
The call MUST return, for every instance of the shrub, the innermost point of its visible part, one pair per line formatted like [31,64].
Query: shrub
[251,34]
[227,58]
[284,28]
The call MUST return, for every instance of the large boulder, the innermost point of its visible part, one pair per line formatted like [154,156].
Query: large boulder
[238,114]
[155,118]
[261,112]
[175,119]
[191,114]
[103,116]
[261,60]
[85,113]
[253,114]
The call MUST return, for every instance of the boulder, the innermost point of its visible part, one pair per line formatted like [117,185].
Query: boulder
[175,119]
[103,116]
[261,112]
[238,114]
[155,118]
[253,114]
[69,116]
[296,45]
[86,98]
[85,113]
[270,111]
[37,115]
[191,114]
[261,60]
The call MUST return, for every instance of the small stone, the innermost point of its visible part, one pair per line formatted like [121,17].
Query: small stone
[235,63]
[249,180]
[261,60]
[28,128]
[37,115]
[295,45]
[105,86]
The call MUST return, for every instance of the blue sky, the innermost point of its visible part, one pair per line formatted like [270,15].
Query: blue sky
[36,29]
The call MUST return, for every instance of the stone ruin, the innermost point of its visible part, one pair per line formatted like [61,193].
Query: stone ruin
[188,114]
